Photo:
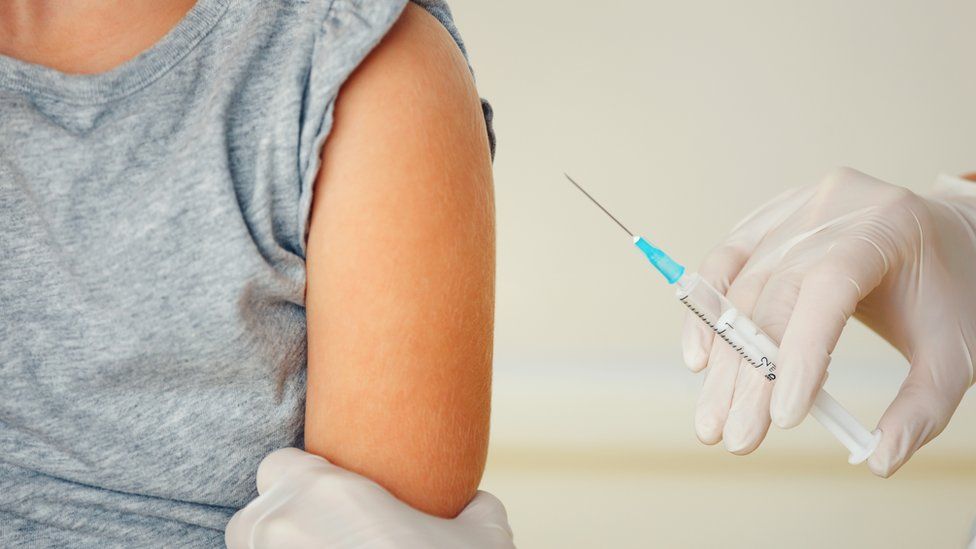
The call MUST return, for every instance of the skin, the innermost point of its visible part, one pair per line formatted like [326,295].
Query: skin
[84,36]
[400,256]
[400,262]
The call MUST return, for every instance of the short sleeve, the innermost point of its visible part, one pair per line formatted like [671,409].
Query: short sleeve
[346,32]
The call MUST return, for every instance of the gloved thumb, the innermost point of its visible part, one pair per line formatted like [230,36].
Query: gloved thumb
[273,469]
[485,510]
[286,460]
[920,411]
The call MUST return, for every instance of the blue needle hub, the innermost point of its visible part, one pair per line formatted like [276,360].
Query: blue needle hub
[669,268]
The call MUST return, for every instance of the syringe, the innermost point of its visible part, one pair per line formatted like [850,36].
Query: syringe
[757,348]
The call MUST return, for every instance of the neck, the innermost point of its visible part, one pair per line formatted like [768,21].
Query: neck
[85,36]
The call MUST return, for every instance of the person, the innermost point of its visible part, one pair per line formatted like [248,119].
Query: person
[228,228]
[803,264]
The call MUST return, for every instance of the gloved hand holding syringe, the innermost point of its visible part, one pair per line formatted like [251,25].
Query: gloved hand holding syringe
[758,349]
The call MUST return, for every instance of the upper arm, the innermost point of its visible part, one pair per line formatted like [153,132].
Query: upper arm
[400,262]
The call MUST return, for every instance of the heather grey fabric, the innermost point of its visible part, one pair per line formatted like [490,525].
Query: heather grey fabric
[152,270]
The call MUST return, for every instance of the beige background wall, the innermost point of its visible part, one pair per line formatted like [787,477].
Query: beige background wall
[682,117]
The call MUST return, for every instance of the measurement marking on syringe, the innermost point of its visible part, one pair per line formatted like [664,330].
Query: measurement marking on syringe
[700,315]
[764,363]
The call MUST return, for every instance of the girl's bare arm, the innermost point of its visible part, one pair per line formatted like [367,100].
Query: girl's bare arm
[401,273]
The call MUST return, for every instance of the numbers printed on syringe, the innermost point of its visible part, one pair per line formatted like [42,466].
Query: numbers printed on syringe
[724,330]
[764,364]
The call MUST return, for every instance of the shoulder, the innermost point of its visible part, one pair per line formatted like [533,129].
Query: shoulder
[408,132]
[411,102]
[417,61]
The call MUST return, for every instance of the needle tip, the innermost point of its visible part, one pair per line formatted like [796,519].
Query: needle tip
[577,185]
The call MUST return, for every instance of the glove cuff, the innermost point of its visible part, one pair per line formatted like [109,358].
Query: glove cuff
[952,185]
[958,195]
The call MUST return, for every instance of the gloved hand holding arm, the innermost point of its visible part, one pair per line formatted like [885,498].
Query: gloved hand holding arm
[802,265]
[306,502]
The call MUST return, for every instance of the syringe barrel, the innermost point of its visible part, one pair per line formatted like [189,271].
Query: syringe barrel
[760,351]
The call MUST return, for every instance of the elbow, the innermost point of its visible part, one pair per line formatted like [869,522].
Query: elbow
[442,480]
[431,461]
[449,500]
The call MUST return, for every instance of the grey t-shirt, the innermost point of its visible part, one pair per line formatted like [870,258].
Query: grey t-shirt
[152,269]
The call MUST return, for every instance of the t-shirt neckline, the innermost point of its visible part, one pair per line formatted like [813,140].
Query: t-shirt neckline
[122,80]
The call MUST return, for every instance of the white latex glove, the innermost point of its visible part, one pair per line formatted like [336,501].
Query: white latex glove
[306,502]
[801,265]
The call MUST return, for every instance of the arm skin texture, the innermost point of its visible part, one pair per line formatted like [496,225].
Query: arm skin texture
[400,290]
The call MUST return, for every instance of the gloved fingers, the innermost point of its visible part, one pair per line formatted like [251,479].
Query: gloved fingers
[272,472]
[921,410]
[715,398]
[829,294]
[719,268]
[749,420]
[718,388]
[286,460]
[239,530]
[696,343]
[723,264]
[486,510]
[235,534]
[906,426]
[755,226]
